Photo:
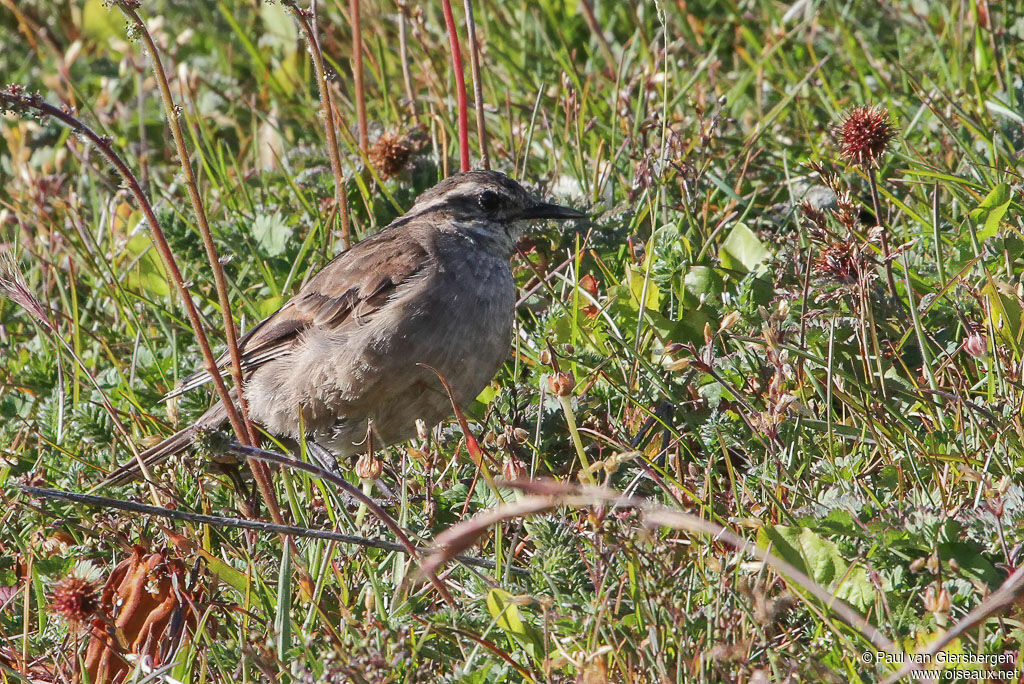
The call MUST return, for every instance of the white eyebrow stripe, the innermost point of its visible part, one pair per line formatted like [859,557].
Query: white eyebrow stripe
[420,208]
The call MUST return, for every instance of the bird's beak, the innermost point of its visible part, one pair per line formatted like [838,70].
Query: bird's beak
[543,210]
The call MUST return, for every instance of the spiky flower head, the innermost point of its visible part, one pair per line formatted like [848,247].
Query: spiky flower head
[864,134]
[391,153]
[77,597]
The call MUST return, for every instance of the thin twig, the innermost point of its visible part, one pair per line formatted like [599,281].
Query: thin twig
[403,53]
[544,495]
[357,73]
[382,515]
[886,255]
[17,100]
[333,153]
[240,523]
[239,421]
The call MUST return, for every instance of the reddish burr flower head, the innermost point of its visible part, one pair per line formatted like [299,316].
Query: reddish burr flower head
[391,153]
[864,134]
[76,597]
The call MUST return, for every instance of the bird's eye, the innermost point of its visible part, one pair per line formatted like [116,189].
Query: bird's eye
[489,200]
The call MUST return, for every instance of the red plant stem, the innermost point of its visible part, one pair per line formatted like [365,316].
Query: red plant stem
[239,418]
[357,74]
[460,85]
[876,205]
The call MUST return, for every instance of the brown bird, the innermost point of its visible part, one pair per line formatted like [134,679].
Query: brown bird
[434,287]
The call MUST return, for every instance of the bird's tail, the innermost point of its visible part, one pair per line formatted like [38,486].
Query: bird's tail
[179,441]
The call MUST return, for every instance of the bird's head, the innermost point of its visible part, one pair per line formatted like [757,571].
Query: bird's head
[488,205]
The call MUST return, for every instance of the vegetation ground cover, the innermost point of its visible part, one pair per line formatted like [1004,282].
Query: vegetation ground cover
[816,350]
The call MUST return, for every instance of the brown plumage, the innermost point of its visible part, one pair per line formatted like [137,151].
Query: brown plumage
[434,288]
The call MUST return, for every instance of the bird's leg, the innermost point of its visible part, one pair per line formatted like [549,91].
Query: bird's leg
[248,501]
[661,415]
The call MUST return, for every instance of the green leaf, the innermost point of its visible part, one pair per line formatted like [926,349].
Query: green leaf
[972,563]
[642,289]
[100,23]
[819,559]
[1004,309]
[700,280]
[148,273]
[280,31]
[282,619]
[269,305]
[271,233]
[991,211]
[742,250]
[509,620]
[505,612]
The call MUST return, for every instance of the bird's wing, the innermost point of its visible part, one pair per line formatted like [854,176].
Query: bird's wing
[348,291]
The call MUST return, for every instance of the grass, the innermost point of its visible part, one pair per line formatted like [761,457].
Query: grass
[735,354]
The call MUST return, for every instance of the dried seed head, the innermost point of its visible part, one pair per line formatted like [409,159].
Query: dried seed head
[975,345]
[369,467]
[561,384]
[837,262]
[937,600]
[513,468]
[589,284]
[864,134]
[390,153]
[813,214]
[730,320]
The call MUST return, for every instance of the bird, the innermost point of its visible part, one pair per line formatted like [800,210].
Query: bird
[360,342]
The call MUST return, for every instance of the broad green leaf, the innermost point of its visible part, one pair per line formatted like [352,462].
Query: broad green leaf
[972,563]
[487,394]
[991,211]
[742,250]
[269,305]
[819,559]
[1004,310]
[281,38]
[702,280]
[506,615]
[280,31]
[505,612]
[147,273]
[647,292]
[100,23]
[271,233]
